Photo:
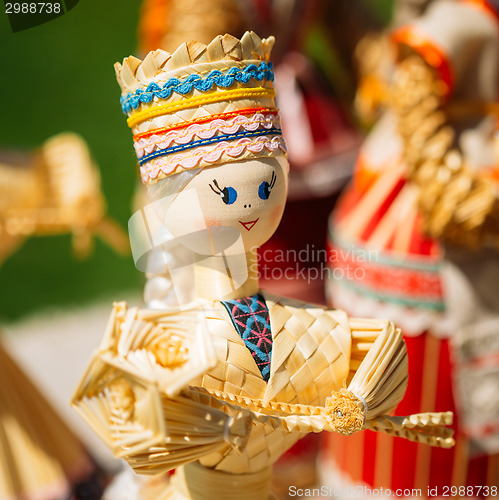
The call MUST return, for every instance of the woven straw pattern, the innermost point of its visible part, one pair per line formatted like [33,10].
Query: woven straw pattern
[458,204]
[162,396]
[310,360]
[418,427]
[158,381]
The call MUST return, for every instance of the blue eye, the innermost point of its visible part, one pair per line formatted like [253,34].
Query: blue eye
[266,187]
[228,195]
[264,190]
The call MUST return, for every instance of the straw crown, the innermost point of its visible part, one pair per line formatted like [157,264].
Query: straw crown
[201,105]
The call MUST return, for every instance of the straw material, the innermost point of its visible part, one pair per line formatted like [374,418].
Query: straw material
[374,57]
[167,24]
[458,204]
[57,191]
[39,456]
[134,73]
[195,107]
[163,390]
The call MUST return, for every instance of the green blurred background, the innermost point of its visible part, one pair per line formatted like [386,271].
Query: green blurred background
[59,77]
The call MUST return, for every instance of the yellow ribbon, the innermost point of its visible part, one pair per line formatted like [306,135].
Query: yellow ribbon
[192,102]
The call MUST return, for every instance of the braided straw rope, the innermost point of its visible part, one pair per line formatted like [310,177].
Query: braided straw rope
[457,203]
[160,397]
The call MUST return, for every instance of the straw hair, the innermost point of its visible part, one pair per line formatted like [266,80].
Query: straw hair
[458,204]
[193,404]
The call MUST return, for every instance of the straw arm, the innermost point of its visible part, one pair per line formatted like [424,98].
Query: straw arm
[427,428]
[377,385]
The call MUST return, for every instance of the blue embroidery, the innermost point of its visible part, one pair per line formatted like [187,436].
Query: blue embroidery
[212,140]
[216,77]
[251,319]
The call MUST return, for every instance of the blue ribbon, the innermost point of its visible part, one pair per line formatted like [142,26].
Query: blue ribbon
[262,72]
[212,140]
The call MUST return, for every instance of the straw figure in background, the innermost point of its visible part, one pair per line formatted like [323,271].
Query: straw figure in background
[55,190]
[221,385]
[415,238]
[40,457]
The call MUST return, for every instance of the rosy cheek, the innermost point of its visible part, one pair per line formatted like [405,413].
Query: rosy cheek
[213,221]
[276,213]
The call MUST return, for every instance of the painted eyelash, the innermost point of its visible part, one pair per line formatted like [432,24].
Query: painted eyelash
[228,193]
[272,180]
[217,186]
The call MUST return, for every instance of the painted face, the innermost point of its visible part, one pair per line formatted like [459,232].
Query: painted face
[245,197]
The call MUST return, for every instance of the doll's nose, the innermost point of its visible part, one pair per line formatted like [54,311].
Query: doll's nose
[248,205]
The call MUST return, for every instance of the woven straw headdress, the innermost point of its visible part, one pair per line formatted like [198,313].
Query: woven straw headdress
[201,105]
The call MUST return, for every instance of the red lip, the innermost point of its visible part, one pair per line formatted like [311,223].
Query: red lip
[249,225]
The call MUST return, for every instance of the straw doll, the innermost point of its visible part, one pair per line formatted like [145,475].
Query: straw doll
[219,387]
[413,239]
[54,190]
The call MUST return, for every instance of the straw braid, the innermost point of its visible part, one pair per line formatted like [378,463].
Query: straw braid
[427,428]
[457,204]
[300,418]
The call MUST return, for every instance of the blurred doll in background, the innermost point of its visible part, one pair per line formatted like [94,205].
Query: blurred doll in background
[55,190]
[416,236]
